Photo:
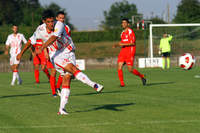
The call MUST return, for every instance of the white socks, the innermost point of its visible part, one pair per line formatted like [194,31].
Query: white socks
[65,92]
[83,78]
[15,76]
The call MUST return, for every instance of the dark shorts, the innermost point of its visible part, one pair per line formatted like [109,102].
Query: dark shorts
[166,54]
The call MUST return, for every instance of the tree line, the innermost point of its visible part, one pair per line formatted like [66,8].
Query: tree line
[25,12]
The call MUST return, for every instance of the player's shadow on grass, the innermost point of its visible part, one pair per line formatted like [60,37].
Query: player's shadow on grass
[159,83]
[95,93]
[23,95]
[111,107]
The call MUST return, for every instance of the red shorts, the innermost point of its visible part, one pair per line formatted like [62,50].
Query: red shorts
[127,55]
[39,59]
[49,64]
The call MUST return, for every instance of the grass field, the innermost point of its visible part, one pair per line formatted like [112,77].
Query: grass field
[170,103]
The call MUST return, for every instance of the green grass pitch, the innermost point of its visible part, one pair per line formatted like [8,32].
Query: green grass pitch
[170,103]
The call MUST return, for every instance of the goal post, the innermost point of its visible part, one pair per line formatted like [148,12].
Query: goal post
[151,26]
[185,38]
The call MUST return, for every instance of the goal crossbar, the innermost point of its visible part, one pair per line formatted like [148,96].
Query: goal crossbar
[165,25]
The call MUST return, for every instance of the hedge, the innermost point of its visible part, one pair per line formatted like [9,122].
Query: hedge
[83,36]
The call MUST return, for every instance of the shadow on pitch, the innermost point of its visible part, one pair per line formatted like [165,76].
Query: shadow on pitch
[95,93]
[24,95]
[159,83]
[111,107]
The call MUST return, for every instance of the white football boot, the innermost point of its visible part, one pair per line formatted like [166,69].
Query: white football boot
[98,87]
[62,112]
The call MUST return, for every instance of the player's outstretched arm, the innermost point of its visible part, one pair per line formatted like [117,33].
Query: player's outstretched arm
[126,44]
[27,45]
[50,41]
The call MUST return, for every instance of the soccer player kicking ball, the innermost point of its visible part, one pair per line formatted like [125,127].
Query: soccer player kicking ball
[64,61]
[127,53]
[14,41]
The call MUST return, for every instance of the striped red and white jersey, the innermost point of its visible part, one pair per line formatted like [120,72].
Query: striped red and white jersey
[64,40]
[15,43]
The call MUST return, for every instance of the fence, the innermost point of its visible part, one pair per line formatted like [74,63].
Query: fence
[27,66]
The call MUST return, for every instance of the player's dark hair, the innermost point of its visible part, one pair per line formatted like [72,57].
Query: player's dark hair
[60,12]
[125,19]
[47,14]
[14,25]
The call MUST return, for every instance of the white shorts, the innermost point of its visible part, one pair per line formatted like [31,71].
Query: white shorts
[62,59]
[13,60]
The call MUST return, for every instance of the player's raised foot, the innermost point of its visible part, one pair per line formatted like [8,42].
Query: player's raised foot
[58,90]
[62,112]
[144,81]
[55,95]
[98,87]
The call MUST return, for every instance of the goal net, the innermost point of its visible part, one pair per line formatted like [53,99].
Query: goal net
[186,39]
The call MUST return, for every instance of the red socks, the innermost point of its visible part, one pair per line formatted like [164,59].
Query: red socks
[53,84]
[47,73]
[135,72]
[121,78]
[36,72]
[59,82]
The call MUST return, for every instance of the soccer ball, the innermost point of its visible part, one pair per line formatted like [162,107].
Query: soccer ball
[186,61]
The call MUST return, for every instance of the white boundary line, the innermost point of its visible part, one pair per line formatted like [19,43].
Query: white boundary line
[104,124]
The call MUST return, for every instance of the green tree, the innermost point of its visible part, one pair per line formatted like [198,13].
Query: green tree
[157,20]
[10,12]
[117,11]
[188,11]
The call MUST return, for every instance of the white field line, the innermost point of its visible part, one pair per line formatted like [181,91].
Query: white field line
[104,124]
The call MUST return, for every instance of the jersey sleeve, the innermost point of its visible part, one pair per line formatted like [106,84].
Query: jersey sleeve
[33,38]
[24,39]
[8,41]
[59,29]
[132,36]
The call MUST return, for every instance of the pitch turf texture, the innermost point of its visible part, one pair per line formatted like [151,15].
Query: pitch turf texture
[170,103]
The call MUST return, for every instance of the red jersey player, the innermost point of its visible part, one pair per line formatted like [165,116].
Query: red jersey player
[39,59]
[127,53]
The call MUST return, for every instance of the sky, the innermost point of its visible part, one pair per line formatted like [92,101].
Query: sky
[88,14]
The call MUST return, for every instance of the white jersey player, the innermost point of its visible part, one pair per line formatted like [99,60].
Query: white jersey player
[14,42]
[64,61]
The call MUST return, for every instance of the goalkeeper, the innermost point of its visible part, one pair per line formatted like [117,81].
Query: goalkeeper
[165,49]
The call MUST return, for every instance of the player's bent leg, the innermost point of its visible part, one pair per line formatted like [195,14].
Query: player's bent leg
[82,77]
[120,74]
[137,73]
